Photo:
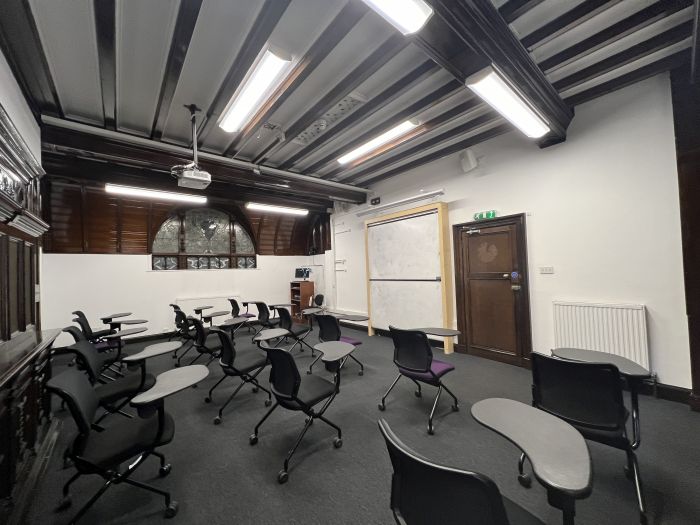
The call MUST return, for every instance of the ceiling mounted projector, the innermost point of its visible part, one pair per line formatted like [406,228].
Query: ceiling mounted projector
[189,175]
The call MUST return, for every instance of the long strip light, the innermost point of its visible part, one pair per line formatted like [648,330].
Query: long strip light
[276,209]
[262,79]
[378,142]
[154,194]
[408,16]
[494,89]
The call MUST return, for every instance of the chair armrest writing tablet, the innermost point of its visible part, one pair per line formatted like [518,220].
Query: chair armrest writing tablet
[441,332]
[272,333]
[132,321]
[311,311]
[172,382]
[334,350]
[215,314]
[124,333]
[108,318]
[153,350]
[626,366]
[200,308]
[349,317]
[234,321]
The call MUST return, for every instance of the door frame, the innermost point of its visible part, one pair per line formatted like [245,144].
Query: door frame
[522,314]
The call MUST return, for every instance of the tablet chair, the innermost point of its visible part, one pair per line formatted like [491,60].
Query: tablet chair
[90,334]
[293,394]
[204,342]
[329,330]
[78,335]
[589,397]
[424,493]
[236,312]
[246,364]
[102,452]
[414,358]
[184,330]
[297,331]
[264,318]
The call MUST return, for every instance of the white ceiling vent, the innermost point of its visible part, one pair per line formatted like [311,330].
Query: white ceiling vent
[342,109]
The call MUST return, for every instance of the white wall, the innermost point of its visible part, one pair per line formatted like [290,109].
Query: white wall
[104,284]
[602,209]
[13,101]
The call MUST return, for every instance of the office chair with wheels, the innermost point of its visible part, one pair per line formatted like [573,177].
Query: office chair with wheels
[185,331]
[236,309]
[589,397]
[329,330]
[264,319]
[90,334]
[297,331]
[414,358]
[293,394]
[103,346]
[204,343]
[424,493]
[102,452]
[246,364]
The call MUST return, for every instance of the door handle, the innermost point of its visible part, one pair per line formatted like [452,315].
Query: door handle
[515,287]
[506,275]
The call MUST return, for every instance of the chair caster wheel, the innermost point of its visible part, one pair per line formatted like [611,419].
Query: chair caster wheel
[253,439]
[418,393]
[217,420]
[195,386]
[525,480]
[381,407]
[171,510]
[643,519]
[337,442]
[207,399]
[308,372]
[455,408]
[255,390]
[67,463]
[177,365]
[268,402]
[164,470]
[431,431]
[65,503]
[282,477]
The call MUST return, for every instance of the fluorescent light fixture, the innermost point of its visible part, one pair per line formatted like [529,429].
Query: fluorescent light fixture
[494,89]
[276,209]
[408,16]
[377,142]
[154,194]
[263,78]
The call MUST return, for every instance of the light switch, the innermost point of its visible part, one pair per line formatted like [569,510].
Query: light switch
[546,270]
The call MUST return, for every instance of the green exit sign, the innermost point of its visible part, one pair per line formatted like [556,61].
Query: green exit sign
[480,216]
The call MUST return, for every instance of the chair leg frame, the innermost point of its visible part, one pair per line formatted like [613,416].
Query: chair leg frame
[632,462]
[382,405]
[245,379]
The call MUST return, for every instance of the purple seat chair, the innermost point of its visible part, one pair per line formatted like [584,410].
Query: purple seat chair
[414,359]
[329,330]
[236,312]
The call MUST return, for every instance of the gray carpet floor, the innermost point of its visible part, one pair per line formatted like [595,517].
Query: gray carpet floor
[217,477]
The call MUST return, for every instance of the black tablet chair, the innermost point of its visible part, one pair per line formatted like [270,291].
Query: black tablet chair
[264,319]
[589,397]
[414,358]
[236,309]
[297,331]
[102,452]
[90,334]
[246,364]
[204,343]
[293,394]
[185,331]
[425,493]
[329,330]
[318,300]
[108,361]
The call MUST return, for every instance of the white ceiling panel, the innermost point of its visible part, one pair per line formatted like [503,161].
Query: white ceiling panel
[542,14]
[143,34]
[67,32]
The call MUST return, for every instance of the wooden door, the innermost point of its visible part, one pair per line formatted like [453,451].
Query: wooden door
[493,311]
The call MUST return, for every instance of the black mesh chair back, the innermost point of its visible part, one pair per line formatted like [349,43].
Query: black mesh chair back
[411,350]
[318,300]
[200,335]
[587,395]
[228,348]
[175,307]
[423,492]
[284,375]
[88,358]
[235,307]
[328,327]
[181,322]
[82,321]
[285,318]
[263,313]
[76,333]
[75,389]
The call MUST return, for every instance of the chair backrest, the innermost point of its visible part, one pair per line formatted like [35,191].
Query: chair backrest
[175,307]
[285,318]
[284,374]
[75,332]
[263,312]
[411,349]
[88,357]
[75,389]
[328,327]
[587,395]
[425,492]
[318,299]
[181,321]
[200,335]
[235,307]
[228,347]
[83,322]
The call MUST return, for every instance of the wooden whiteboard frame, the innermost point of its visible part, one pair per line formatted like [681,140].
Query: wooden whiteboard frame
[446,285]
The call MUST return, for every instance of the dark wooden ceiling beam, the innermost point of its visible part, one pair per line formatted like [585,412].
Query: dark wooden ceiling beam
[616,31]
[631,54]
[394,91]
[575,16]
[21,45]
[182,36]
[370,65]
[514,9]
[695,52]
[105,27]
[340,26]
[479,27]
[266,21]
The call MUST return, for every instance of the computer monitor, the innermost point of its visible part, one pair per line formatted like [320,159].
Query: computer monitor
[302,273]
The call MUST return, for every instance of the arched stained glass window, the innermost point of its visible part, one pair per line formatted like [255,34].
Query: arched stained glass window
[202,238]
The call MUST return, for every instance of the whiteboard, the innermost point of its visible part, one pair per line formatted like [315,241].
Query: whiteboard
[404,249]
[406,304]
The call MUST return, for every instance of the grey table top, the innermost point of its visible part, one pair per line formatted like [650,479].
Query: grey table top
[171,382]
[349,317]
[271,333]
[235,321]
[153,351]
[124,333]
[436,330]
[107,318]
[273,306]
[130,321]
[334,350]
[557,451]
[625,366]
[200,308]
[311,311]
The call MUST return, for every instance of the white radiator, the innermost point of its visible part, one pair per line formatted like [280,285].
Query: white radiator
[613,328]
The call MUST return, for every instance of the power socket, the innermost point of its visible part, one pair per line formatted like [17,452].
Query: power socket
[546,270]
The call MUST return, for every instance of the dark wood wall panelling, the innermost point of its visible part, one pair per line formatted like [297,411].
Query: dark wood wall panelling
[85,219]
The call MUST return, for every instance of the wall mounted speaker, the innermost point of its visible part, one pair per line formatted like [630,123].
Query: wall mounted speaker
[468,160]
